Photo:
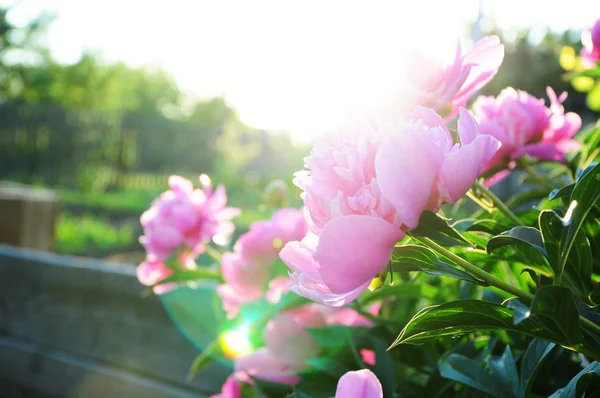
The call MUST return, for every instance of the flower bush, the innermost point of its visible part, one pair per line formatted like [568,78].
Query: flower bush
[405,274]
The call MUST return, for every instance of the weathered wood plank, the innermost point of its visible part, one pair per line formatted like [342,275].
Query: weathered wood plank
[53,373]
[97,310]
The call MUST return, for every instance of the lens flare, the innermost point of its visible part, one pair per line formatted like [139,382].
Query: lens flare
[236,342]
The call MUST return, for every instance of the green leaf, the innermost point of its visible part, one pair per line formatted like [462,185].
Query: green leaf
[197,274]
[528,217]
[595,73]
[588,385]
[518,235]
[329,365]
[290,300]
[533,359]
[570,391]
[555,307]
[551,229]
[332,338]
[466,316]
[578,269]
[535,277]
[563,192]
[205,358]
[585,194]
[471,373]
[490,226]
[400,290]
[418,258]
[504,368]
[315,385]
[437,229]
[526,197]
[521,311]
[385,369]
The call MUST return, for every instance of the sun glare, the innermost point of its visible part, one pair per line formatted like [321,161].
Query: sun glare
[236,342]
[338,63]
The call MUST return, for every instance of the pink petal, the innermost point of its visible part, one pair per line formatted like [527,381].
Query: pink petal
[317,291]
[496,178]
[359,384]
[568,145]
[486,56]
[307,281]
[407,165]
[542,150]
[428,116]
[277,288]
[353,249]
[368,356]
[347,317]
[180,185]
[288,340]
[264,365]
[231,389]
[461,167]
[467,127]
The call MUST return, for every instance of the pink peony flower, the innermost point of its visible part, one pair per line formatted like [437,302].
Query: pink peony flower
[367,187]
[359,384]
[186,217]
[446,88]
[590,53]
[247,270]
[231,389]
[289,346]
[525,125]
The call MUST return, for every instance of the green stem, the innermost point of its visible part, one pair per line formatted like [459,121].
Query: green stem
[533,174]
[589,325]
[499,204]
[492,280]
[590,158]
[479,202]
[212,253]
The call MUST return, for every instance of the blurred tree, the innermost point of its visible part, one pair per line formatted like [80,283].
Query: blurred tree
[91,84]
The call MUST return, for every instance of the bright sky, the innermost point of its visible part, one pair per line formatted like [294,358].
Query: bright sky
[293,65]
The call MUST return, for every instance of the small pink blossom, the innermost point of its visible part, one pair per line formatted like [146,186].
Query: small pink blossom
[286,336]
[264,365]
[590,53]
[288,344]
[186,217]
[150,273]
[366,187]
[368,356]
[277,288]
[359,384]
[525,125]
[247,271]
[177,227]
[231,389]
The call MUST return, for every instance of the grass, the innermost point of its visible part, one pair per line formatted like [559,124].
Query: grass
[89,234]
[135,201]
[84,234]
